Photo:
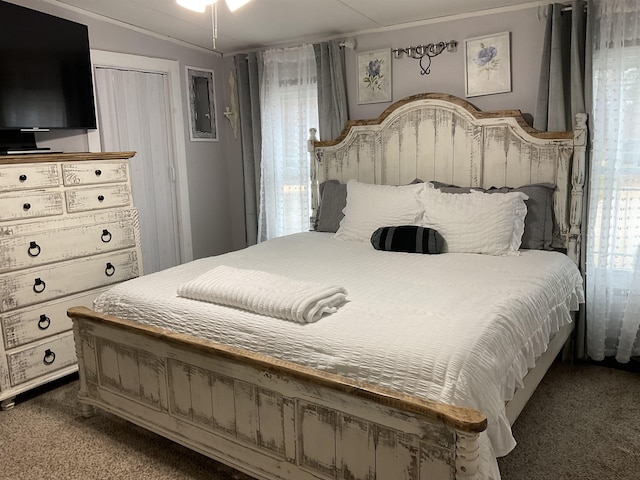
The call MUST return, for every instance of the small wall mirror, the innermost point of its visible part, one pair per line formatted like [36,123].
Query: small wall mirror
[202,113]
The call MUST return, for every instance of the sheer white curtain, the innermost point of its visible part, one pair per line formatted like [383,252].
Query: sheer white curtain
[133,109]
[613,240]
[289,107]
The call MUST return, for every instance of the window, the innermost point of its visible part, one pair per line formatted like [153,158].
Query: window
[289,107]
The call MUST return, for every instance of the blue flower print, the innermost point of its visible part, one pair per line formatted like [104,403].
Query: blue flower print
[374,68]
[373,77]
[487,59]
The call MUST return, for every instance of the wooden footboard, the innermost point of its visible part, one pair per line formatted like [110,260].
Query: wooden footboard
[268,418]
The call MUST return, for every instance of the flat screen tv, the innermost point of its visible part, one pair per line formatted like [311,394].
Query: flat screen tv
[45,72]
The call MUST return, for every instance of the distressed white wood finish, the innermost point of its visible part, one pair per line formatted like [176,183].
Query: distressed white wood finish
[578,173]
[60,245]
[28,177]
[444,138]
[43,320]
[269,418]
[40,284]
[30,205]
[275,420]
[91,173]
[96,233]
[36,360]
[102,196]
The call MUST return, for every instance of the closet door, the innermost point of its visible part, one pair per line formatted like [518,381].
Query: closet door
[133,111]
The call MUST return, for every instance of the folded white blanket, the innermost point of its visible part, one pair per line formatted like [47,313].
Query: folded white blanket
[265,293]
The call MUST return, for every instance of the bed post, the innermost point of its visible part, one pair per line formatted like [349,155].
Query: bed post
[467,456]
[315,195]
[86,409]
[577,183]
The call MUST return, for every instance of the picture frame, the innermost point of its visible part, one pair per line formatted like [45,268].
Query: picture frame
[487,64]
[374,76]
[203,121]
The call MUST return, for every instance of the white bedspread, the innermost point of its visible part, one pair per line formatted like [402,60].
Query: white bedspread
[458,328]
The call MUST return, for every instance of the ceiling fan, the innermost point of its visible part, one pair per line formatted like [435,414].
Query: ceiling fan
[201,6]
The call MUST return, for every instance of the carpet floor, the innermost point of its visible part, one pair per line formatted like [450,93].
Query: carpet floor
[583,422]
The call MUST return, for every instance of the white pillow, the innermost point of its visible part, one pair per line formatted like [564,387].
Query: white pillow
[370,207]
[476,222]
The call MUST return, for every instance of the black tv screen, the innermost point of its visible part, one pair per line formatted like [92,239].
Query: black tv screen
[45,71]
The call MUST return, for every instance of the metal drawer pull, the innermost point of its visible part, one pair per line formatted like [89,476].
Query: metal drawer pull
[49,357]
[98,173]
[100,198]
[110,270]
[22,178]
[39,286]
[34,249]
[26,206]
[44,322]
[106,236]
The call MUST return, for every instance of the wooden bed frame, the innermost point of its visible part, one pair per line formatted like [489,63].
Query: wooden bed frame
[277,420]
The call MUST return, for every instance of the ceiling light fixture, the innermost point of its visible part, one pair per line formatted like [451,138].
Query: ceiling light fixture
[235,4]
[201,6]
[195,5]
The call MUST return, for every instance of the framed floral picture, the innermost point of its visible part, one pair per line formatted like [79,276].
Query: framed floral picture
[374,76]
[487,65]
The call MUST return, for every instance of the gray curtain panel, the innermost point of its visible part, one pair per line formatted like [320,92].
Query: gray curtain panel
[332,89]
[565,71]
[248,73]
[565,89]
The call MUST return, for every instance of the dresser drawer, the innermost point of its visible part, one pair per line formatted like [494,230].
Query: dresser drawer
[48,246]
[30,205]
[24,177]
[47,319]
[101,196]
[42,359]
[35,285]
[90,173]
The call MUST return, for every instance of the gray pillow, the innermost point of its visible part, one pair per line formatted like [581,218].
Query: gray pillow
[538,224]
[445,188]
[333,199]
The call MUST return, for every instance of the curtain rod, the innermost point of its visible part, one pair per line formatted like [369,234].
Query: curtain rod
[569,8]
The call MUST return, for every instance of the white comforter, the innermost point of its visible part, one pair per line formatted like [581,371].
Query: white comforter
[458,328]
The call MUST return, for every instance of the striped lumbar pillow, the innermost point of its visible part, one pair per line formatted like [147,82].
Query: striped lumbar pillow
[407,238]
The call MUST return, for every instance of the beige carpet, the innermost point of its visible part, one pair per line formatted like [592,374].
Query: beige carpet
[583,423]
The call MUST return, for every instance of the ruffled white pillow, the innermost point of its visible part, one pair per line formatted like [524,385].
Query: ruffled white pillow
[370,207]
[476,222]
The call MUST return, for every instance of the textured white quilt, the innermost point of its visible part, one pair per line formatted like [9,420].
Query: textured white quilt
[458,328]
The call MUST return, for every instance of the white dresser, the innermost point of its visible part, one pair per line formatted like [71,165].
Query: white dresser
[68,230]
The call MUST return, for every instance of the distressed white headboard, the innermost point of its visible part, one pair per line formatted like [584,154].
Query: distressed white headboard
[440,137]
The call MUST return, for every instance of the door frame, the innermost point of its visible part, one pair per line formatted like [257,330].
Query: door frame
[171,69]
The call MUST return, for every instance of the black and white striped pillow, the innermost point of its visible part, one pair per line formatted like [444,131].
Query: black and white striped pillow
[407,238]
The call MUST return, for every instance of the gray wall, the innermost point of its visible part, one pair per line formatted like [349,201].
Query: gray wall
[447,69]
[216,222]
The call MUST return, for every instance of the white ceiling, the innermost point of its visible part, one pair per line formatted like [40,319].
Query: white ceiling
[263,23]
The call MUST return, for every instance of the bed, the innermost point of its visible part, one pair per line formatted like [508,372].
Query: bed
[407,379]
